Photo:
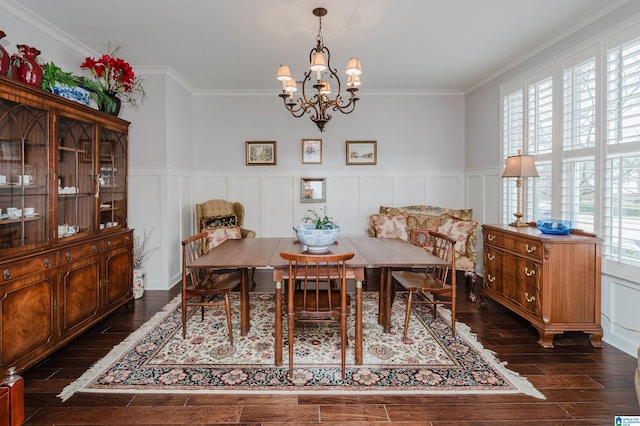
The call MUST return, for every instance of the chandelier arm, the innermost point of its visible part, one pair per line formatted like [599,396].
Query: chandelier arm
[349,107]
[293,107]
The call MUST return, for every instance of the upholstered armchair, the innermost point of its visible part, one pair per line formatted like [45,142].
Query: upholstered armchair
[221,213]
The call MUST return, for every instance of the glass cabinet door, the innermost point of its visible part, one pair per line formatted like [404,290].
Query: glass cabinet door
[24,194]
[76,183]
[111,177]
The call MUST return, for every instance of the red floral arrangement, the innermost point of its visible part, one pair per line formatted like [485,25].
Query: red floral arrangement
[115,76]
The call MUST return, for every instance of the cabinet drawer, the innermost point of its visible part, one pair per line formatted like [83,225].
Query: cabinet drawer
[529,248]
[32,265]
[71,254]
[493,238]
[516,245]
[117,241]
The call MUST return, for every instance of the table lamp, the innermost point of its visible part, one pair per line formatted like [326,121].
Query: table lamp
[519,166]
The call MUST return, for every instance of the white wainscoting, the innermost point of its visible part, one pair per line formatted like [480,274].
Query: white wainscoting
[620,314]
[164,199]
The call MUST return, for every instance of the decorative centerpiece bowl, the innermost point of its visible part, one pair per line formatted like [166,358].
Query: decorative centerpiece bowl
[554,227]
[316,240]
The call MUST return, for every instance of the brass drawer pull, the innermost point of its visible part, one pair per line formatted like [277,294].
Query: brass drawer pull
[529,299]
[109,244]
[94,249]
[47,262]
[529,249]
[490,237]
[528,272]
[490,257]
[490,278]
[7,274]
[68,255]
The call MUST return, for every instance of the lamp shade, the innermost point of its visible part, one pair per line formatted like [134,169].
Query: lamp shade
[318,63]
[520,166]
[326,88]
[353,67]
[290,85]
[284,73]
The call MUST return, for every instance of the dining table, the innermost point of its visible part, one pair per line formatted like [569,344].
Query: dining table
[384,253]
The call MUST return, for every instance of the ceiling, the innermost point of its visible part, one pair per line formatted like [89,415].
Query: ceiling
[403,45]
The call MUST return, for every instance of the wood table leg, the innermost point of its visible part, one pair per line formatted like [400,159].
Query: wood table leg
[382,296]
[387,302]
[358,323]
[277,344]
[245,322]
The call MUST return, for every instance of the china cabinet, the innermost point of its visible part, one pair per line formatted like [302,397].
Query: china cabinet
[65,248]
[553,281]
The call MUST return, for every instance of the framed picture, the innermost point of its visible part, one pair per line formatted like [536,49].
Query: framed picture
[313,190]
[311,151]
[362,153]
[87,151]
[106,150]
[260,153]
[10,150]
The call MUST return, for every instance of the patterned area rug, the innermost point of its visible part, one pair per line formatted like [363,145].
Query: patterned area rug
[157,359]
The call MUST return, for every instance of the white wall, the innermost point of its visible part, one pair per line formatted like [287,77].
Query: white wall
[620,292]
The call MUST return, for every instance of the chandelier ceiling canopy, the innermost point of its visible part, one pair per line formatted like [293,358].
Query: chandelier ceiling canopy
[320,77]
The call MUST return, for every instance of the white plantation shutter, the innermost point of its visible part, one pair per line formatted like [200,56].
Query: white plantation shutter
[538,192]
[621,186]
[513,131]
[579,131]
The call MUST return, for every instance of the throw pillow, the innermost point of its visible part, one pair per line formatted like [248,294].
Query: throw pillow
[420,237]
[211,222]
[394,226]
[422,221]
[220,234]
[458,229]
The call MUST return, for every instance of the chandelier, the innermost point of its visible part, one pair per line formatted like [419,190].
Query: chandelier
[318,104]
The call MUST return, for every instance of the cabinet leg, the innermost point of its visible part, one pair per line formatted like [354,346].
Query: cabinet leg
[545,339]
[596,339]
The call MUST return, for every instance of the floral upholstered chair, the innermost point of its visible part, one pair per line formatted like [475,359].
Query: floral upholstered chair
[222,214]
[222,220]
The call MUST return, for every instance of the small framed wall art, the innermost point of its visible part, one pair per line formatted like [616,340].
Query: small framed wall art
[311,151]
[362,153]
[313,190]
[259,153]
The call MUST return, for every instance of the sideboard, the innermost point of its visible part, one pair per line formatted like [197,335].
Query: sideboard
[553,281]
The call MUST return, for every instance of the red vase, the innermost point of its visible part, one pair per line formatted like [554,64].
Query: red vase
[4,57]
[26,68]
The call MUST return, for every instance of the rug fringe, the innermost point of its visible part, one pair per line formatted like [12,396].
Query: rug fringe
[115,352]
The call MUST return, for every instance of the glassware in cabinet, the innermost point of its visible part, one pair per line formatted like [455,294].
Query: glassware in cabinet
[24,194]
[112,178]
[75,185]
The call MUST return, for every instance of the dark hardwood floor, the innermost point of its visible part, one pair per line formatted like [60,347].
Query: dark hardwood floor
[583,385]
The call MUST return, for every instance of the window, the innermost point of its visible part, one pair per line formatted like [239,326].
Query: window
[586,143]
[513,131]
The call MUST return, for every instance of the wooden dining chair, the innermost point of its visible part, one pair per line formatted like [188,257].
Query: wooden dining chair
[315,301]
[432,280]
[204,284]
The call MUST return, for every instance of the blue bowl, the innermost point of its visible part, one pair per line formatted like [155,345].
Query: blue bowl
[316,240]
[555,227]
